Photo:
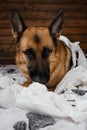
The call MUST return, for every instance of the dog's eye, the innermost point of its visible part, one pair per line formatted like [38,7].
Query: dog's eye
[45,52]
[30,53]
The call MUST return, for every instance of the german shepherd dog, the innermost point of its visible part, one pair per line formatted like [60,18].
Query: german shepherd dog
[41,56]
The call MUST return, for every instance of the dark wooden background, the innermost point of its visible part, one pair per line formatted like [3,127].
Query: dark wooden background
[40,13]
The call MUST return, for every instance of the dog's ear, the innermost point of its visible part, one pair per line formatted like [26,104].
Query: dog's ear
[56,25]
[17,24]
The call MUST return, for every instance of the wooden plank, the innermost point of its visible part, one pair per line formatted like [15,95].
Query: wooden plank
[72,30]
[81,38]
[7,47]
[46,15]
[6,40]
[10,6]
[84,46]
[6,54]
[67,23]
[7,24]
[44,1]
[5,32]
[30,15]
[75,22]
[42,6]
[55,7]
[7,62]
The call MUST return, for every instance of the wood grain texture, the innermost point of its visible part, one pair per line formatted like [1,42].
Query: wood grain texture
[41,13]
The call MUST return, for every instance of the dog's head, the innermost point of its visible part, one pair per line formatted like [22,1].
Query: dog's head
[36,47]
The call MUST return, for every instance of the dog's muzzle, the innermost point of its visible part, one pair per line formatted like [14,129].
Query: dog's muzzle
[39,76]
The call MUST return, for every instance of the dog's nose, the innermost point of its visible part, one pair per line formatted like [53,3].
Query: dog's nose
[41,77]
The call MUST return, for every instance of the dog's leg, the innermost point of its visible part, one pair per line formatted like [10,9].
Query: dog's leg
[26,83]
[51,89]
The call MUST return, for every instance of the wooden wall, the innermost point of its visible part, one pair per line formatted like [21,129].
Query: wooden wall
[40,13]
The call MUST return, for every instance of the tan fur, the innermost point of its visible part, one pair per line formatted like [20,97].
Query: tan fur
[59,59]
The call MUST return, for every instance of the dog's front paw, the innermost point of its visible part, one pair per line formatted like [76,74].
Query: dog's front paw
[26,83]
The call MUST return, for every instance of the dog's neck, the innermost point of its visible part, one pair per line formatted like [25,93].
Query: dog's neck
[63,64]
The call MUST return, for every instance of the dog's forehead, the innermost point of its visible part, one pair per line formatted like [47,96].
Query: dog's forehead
[36,33]
[36,36]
